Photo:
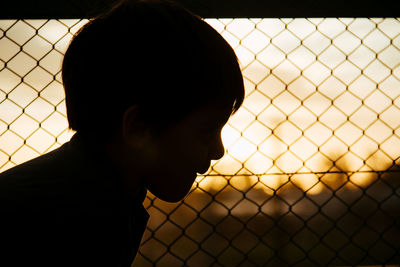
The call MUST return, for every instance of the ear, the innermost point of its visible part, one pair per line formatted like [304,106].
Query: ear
[133,127]
[137,136]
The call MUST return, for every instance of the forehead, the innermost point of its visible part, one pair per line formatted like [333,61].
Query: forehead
[202,120]
[216,114]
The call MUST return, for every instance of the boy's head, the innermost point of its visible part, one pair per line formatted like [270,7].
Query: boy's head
[153,54]
[154,66]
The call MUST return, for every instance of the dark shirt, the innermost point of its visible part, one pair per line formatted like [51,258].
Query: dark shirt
[67,208]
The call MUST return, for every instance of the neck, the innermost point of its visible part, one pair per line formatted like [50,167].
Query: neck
[128,165]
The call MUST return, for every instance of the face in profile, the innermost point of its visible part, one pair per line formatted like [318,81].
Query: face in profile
[184,150]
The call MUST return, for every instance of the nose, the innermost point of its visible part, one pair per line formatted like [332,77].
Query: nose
[217,149]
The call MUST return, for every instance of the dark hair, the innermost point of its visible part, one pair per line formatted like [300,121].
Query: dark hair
[155,54]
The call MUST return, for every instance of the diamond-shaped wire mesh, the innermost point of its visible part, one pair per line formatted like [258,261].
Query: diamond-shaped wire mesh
[310,176]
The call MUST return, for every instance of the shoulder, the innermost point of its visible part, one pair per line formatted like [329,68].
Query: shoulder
[44,176]
[74,173]
[36,164]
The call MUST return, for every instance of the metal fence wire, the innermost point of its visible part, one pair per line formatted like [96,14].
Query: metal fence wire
[311,175]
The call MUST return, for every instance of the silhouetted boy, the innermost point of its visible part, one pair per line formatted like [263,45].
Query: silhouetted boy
[148,88]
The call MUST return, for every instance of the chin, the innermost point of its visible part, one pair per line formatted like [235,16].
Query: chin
[173,199]
[174,191]
[170,193]
[168,197]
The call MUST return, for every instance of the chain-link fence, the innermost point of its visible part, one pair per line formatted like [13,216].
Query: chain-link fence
[310,176]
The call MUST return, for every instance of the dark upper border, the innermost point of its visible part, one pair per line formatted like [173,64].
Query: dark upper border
[64,9]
